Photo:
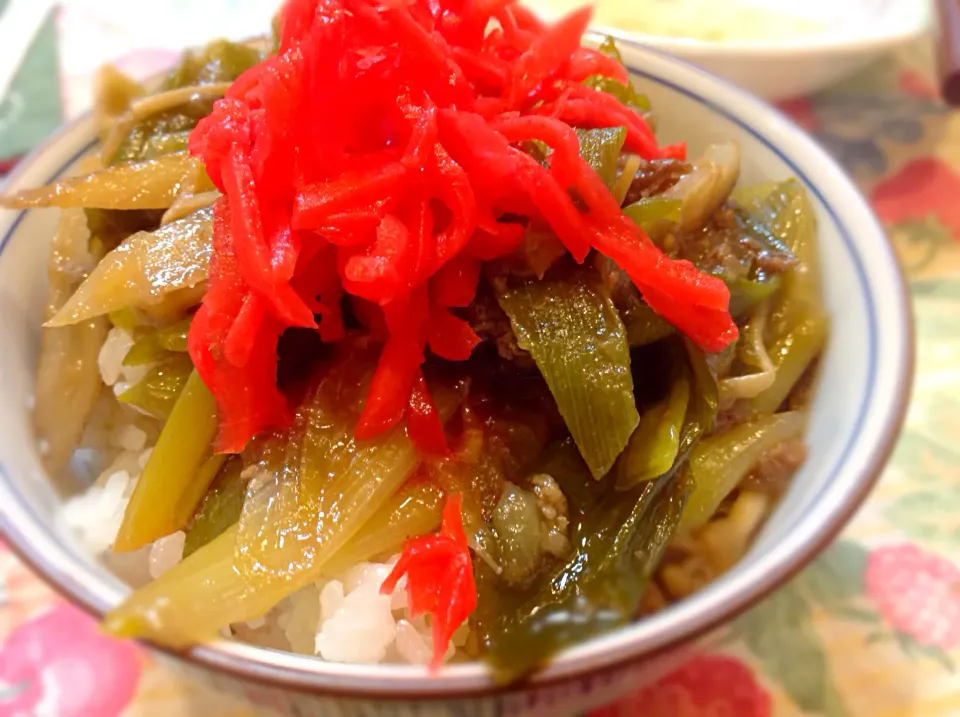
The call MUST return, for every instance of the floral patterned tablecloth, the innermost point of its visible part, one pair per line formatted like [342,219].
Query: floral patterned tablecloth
[872,629]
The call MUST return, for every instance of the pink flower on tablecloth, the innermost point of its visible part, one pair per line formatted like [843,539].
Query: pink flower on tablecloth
[917,592]
[706,686]
[802,112]
[916,84]
[22,594]
[60,664]
[923,187]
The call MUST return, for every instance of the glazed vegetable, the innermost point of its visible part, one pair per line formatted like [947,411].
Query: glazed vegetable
[601,148]
[655,443]
[495,447]
[113,93]
[186,203]
[599,588]
[797,327]
[621,188]
[720,462]
[67,372]
[415,510]
[672,426]
[643,325]
[196,490]
[158,124]
[185,96]
[752,353]
[621,88]
[791,218]
[219,61]
[579,343]
[701,415]
[196,192]
[166,143]
[241,574]
[157,392]
[439,578]
[109,227]
[190,603]
[655,215]
[158,344]
[516,521]
[625,93]
[563,462]
[165,496]
[220,508]
[324,486]
[148,184]
[709,184]
[745,295]
[790,355]
[145,271]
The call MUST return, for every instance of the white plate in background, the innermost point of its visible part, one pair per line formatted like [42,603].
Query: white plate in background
[795,48]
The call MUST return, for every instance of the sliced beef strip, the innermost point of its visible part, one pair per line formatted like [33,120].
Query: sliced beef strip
[654,177]
[490,322]
[730,415]
[623,292]
[774,471]
[729,247]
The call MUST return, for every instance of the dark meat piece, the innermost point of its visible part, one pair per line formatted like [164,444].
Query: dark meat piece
[802,392]
[730,415]
[112,226]
[772,263]
[655,177]
[490,322]
[653,600]
[732,247]
[712,246]
[623,292]
[536,255]
[772,473]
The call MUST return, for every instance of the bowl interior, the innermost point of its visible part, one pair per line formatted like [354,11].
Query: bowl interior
[857,411]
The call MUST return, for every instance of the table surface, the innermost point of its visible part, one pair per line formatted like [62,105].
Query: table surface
[871,629]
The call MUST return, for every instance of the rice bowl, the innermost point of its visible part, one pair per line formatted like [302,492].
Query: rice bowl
[131,440]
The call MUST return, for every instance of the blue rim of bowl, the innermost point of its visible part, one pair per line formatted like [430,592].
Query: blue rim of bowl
[272,668]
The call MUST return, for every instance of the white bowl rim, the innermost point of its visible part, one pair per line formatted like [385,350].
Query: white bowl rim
[680,624]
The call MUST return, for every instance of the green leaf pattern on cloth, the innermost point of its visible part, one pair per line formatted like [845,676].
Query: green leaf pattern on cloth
[778,632]
[32,109]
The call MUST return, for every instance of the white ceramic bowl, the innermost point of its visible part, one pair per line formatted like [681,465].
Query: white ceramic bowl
[857,413]
[855,33]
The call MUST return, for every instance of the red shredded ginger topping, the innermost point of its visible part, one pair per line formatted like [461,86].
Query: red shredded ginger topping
[375,156]
[439,578]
